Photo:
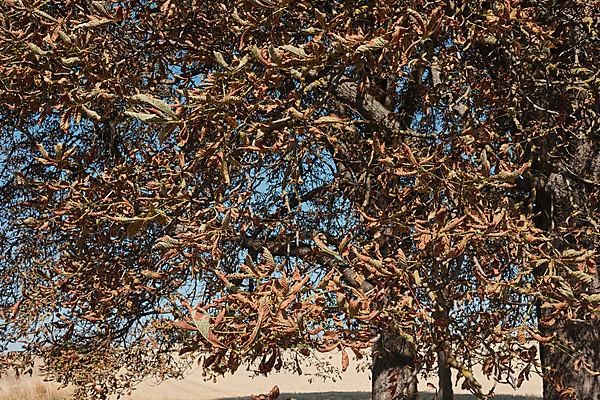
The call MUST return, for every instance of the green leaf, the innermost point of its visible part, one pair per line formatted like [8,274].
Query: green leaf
[165,132]
[315,85]
[161,217]
[582,276]
[274,55]
[243,61]
[592,298]
[269,258]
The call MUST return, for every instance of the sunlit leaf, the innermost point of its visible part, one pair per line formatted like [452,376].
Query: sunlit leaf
[145,117]
[159,104]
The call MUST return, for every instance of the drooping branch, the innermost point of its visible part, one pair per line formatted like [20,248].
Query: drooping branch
[325,258]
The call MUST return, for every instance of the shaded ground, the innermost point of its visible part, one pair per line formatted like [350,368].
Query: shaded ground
[367,396]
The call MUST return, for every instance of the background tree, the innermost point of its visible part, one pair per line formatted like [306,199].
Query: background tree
[229,180]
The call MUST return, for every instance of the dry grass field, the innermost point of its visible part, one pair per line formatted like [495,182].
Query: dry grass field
[30,388]
[353,385]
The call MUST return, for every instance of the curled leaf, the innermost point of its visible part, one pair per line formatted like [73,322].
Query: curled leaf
[220,60]
[145,117]
[159,104]
[298,51]
[345,360]
[93,23]
[372,44]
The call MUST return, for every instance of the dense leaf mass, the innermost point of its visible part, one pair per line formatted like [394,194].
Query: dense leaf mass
[224,180]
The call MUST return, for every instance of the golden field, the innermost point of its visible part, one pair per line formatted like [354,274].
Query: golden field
[239,385]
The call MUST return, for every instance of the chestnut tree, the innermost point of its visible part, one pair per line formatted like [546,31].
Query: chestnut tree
[248,182]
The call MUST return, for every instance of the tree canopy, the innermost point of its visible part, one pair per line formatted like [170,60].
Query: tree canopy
[247,182]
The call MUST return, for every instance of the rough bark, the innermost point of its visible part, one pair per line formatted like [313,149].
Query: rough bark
[371,109]
[566,196]
[564,369]
[445,391]
[394,376]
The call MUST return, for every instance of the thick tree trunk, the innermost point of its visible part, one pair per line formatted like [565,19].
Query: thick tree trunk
[394,375]
[569,370]
[567,197]
[445,391]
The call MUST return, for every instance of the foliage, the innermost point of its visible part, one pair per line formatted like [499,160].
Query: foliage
[228,179]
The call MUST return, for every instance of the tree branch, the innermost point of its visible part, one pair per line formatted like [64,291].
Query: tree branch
[288,248]
[371,109]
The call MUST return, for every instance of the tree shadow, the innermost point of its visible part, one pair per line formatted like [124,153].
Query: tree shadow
[367,396]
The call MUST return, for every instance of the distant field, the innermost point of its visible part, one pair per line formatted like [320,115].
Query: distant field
[41,394]
[30,387]
[38,392]
[354,385]
[30,390]
[367,396]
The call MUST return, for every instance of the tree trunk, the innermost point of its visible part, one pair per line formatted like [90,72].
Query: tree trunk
[445,391]
[394,374]
[567,371]
[567,197]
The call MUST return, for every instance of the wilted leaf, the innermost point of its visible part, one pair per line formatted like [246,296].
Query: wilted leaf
[202,323]
[91,113]
[159,104]
[435,74]
[298,51]
[345,360]
[220,59]
[93,23]
[152,274]
[134,227]
[166,243]
[35,49]
[329,119]
[145,117]
[373,44]
[184,325]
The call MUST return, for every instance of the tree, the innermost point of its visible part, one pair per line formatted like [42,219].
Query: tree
[229,180]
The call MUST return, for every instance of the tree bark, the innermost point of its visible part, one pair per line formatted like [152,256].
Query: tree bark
[394,373]
[567,197]
[371,109]
[564,369]
[445,391]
